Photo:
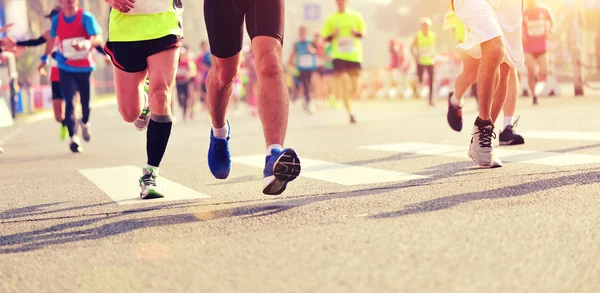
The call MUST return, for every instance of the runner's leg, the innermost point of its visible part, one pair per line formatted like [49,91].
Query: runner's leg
[162,68]
[265,25]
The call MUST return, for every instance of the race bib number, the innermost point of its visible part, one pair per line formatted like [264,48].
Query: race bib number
[306,61]
[70,53]
[536,28]
[151,6]
[346,45]
[182,72]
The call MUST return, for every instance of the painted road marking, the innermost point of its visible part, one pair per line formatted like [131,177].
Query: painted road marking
[48,114]
[119,183]
[563,135]
[508,155]
[342,174]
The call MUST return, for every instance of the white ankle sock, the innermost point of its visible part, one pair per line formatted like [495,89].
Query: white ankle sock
[221,132]
[508,120]
[454,100]
[155,170]
[274,147]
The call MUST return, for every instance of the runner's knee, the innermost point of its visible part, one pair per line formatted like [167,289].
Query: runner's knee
[222,76]
[493,50]
[159,98]
[129,113]
[269,66]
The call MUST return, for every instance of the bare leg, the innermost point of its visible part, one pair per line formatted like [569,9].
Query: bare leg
[129,86]
[273,100]
[467,77]
[59,109]
[501,90]
[531,73]
[493,53]
[510,105]
[219,86]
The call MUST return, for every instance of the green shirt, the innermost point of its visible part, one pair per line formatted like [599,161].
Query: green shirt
[149,20]
[345,46]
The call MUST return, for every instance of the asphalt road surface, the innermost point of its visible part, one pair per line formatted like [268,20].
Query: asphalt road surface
[391,204]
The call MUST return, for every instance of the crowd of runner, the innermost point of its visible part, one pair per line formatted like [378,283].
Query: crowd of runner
[145,46]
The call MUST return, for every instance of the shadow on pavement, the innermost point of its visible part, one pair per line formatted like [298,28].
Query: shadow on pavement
[505,192]
[580,148]
[92,228]
[79,230]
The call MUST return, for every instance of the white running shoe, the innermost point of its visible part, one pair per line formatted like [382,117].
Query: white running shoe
[481,149]
[149,189]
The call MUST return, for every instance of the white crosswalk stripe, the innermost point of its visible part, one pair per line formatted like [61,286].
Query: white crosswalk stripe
[342,174]
[505,154]
[119,184]
[562,135]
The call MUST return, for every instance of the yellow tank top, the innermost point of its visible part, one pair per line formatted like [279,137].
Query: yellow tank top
[426,45]
[148,20]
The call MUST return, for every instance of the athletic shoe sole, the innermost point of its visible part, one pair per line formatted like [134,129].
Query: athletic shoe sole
[494,164]
[286,169]
[152,194]
[512,142]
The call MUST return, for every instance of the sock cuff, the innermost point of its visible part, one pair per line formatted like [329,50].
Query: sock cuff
[161,119]
[274,147]
[482,122]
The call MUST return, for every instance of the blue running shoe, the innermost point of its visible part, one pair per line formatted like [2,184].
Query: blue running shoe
[219,156]
[281,167]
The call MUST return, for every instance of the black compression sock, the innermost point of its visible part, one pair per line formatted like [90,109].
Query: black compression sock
[157,138]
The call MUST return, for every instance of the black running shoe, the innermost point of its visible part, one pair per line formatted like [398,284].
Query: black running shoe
[509,137]
[75,145]
[454,115]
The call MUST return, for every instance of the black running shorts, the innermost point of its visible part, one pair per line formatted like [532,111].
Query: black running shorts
[132,56]
[225,23]
[343,65]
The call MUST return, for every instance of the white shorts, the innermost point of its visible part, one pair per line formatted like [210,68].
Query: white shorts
[488,19]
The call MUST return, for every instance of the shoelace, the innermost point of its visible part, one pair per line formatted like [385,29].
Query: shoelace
[485,136]
[148,180]
[516,122]
[511,127]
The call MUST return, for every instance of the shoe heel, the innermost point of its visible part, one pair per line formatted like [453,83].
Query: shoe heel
[287,168]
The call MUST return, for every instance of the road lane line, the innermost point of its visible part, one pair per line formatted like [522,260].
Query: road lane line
[120,184]
[342,174]
[562,135]
[505,154]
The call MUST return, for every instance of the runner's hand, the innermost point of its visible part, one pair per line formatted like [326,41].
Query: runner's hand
[123,6]
[107,59]
[9,43]
[6,27]
[78,46]
[42,69]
